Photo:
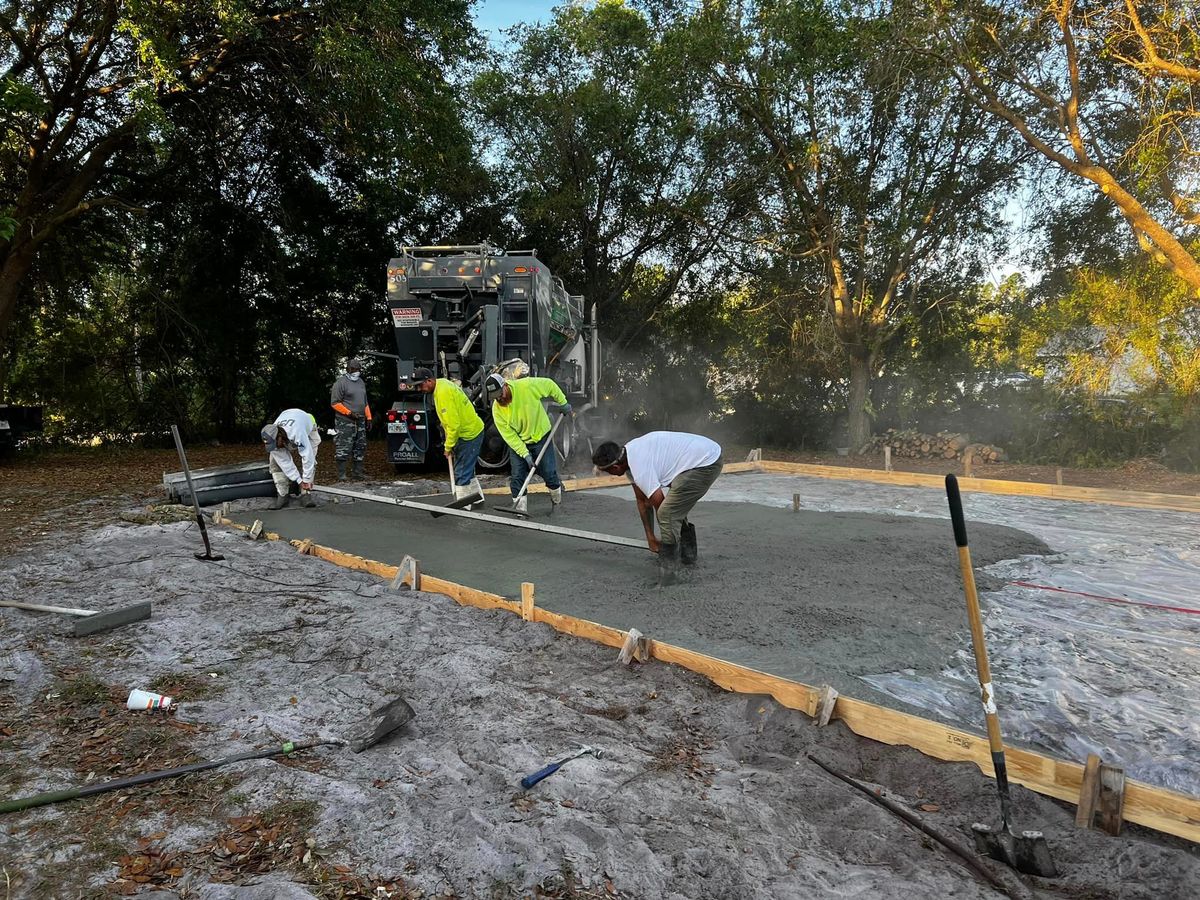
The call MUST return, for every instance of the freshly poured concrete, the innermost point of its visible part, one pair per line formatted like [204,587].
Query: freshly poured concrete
[818,597]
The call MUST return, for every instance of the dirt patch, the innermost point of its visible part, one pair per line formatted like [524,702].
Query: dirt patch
[699,793]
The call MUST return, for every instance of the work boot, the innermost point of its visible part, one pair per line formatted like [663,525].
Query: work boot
[522,505]
[341,464]
[359,474]
[668,564]
[474,489]
[556,495]
[306,500]
[687,544]
[280,501]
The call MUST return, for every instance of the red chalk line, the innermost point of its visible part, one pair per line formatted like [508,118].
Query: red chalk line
[1058,590]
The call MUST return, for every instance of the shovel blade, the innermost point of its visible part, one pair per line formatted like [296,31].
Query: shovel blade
[1027,852]
[382,722]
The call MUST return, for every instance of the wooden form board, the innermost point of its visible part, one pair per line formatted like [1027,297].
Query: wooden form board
[1139,499]
[1153,807]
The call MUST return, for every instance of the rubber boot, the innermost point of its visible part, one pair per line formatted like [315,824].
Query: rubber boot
[687,544]
[306,500]
[280,501]
[556,495]
[341,464]
[475,489]
[359,474]
[668,564]
[522,505]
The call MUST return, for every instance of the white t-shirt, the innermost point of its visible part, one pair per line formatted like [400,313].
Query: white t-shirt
[301,429]
[655,459]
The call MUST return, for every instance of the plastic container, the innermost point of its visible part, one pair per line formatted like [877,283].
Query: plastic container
[150,701]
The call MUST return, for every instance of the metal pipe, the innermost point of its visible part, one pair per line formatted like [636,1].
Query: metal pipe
[484,517]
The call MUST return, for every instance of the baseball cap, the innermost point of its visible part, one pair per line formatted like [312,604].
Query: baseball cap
[353,364]
[422,374]
[269,434]
[495,383]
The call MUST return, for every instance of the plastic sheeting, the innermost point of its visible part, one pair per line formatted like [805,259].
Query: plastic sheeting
[1074,674]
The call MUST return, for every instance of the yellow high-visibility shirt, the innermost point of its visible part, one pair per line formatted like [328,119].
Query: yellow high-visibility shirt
[524,420]
[455,412]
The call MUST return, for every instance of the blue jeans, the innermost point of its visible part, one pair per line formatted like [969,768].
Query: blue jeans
[466,454]
[547,468]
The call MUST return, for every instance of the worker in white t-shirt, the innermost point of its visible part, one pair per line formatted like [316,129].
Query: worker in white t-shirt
[670,471]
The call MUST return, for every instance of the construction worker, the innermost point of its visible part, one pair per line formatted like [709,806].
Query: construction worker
[463,427]
[522,421]
[686,465]
[352,416]
[293,428]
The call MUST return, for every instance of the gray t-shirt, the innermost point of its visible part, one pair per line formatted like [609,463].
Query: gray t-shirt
[352,394]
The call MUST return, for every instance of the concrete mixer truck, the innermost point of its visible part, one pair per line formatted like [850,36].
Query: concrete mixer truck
[468,311]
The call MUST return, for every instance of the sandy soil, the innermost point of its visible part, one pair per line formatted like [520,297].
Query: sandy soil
[699,793]
[817,597]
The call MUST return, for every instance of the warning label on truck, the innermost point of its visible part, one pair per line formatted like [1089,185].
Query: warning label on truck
[406,317]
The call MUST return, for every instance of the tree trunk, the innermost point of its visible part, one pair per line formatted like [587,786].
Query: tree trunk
[17,263]
[860,390]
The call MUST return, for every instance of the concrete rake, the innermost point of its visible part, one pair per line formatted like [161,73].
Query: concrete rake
[375,728]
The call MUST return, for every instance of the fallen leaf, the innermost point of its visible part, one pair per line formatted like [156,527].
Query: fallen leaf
[930,807]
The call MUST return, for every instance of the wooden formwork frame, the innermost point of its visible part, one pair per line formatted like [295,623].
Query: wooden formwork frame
[1163,810]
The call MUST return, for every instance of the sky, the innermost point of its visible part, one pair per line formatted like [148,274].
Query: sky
[493,15]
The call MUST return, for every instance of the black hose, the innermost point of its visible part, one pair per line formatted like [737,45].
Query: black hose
[50,797]
[1018,891]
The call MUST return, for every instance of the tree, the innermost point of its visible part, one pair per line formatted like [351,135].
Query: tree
[1103,89]
[859,159]
[596,119]
[87,83]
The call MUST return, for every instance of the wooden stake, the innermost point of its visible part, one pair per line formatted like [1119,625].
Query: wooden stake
[829,698]
[527,603]
[795,503]
[410,572]
[1058,475]
[1089,792]
[636,646]
[305,546]
[969,463]
[887,458]
[1110,811]
[255,529]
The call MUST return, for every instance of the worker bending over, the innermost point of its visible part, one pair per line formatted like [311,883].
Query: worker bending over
[293,428]
[352,416]
[686,465]
[522,421]
[463,427]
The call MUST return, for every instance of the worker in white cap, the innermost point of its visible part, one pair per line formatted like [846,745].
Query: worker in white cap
[521,420]
[293,428]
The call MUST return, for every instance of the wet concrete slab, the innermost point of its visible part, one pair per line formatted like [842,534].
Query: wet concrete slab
[822,597]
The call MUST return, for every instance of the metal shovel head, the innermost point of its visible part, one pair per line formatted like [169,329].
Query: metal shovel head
[1026,852]
[380,724]
[460,503]
[512,511]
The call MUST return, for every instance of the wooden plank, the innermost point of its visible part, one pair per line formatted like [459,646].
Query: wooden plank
[1137,499]
[1154,807]
[528,607]
[1089,792]
[826,705]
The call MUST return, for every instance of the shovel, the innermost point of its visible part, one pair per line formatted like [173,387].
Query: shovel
[381,723]
[528,478]
[207,555]
[1026,852]
[461,502]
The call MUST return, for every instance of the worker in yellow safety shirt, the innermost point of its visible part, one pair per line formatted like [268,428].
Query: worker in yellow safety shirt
[463,427]
[522,421]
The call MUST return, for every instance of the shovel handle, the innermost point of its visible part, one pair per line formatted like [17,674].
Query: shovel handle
[954,498]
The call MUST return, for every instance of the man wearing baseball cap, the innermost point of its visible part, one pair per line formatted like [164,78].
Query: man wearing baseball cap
[293,428]
[463,427]
[522,421]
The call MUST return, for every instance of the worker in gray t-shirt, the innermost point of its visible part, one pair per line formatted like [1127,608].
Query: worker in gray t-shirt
[352,416]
